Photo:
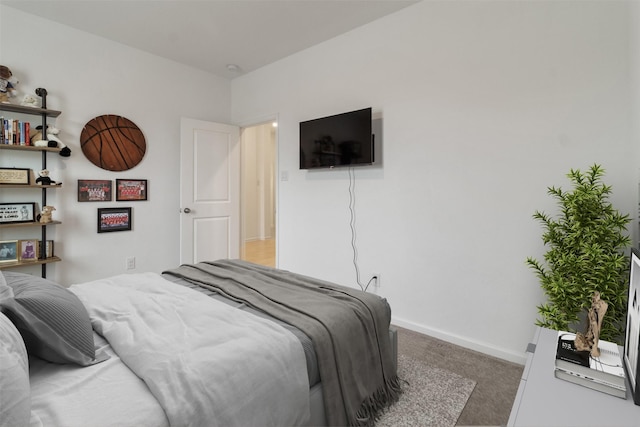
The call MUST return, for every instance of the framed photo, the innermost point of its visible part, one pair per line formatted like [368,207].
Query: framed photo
[114,219]
[8,251]
[28,250]
[15,176]
[131,189]
[632,332]
[94,190]
[17,212]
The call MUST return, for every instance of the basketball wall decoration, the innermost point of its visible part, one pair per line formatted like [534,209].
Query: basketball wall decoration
[113,142]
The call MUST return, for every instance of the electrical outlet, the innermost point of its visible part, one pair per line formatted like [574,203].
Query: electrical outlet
[131,263]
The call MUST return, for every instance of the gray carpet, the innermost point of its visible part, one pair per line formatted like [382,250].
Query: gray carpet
[496,380]
[431,397]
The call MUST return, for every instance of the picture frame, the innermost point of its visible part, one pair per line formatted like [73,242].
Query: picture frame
[131,190]
[631,354]
[28,250]
[95,190]
[17,212]
[15,176]
[114,219]
[8,251]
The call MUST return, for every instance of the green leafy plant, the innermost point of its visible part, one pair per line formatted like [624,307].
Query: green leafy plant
[587,253]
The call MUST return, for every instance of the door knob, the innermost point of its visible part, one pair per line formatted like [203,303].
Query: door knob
[186,210]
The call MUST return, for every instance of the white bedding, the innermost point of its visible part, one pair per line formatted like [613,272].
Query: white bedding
[76,396]
[206,363]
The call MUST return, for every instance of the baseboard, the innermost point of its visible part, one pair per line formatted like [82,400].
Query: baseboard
[500,353]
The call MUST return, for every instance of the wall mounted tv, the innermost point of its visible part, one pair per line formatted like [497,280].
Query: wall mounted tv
[334,141]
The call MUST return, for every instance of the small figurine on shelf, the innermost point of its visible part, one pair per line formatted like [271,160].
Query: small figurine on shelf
[30,101]
[7,84]
[44,178]
[52,140]
[45,215]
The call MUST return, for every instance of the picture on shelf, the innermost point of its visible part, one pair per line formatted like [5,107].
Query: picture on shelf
[17,212]
[8,251]
[94,190]
[131,189]
[28,250]
[15,176]
[114,219]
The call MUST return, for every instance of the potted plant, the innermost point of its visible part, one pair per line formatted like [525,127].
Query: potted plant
[587,253]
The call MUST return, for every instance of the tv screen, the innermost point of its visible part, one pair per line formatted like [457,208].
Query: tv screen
[340,140]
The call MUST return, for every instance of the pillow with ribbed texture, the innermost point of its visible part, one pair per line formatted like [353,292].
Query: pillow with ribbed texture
[15,392]
[53,323]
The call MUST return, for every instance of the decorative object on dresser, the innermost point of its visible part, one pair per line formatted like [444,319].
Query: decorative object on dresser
[603,372]
[589,232]
[113,143]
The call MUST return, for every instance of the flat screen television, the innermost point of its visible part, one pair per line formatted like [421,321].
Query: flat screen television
[340,140]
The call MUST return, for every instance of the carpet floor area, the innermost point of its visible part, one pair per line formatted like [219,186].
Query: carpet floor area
[431,396]
[496,380]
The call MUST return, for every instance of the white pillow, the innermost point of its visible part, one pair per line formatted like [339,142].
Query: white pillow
[15,393]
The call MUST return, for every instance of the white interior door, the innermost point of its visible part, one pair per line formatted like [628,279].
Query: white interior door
[209,191]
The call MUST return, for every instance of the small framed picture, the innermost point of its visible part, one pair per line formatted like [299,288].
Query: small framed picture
[631,357]
[94,190]
[114,219]
[28,250]
[17,212]
[131,189]
[15,176]
[8,251]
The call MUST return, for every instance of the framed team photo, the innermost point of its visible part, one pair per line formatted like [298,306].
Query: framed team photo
[114,219]
[95,190]
[131,189]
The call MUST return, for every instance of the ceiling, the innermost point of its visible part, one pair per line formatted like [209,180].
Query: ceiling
[211,34]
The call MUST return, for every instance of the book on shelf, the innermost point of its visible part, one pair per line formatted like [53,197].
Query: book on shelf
[604,373]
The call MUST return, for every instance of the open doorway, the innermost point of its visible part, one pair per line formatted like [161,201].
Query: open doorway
[258,194]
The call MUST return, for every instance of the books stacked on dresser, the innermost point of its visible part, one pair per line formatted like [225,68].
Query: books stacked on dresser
[604,373]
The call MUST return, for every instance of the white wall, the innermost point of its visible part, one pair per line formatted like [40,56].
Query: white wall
[87,76]
[484,105]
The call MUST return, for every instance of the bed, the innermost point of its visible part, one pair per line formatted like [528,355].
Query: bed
[225,343]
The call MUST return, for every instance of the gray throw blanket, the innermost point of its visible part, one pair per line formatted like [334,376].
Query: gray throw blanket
[349,329]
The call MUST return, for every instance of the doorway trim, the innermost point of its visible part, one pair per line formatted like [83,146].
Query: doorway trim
[243,125]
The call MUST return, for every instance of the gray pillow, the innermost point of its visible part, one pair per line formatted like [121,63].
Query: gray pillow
[53,322]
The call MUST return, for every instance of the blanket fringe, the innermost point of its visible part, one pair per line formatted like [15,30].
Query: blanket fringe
[374,406]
